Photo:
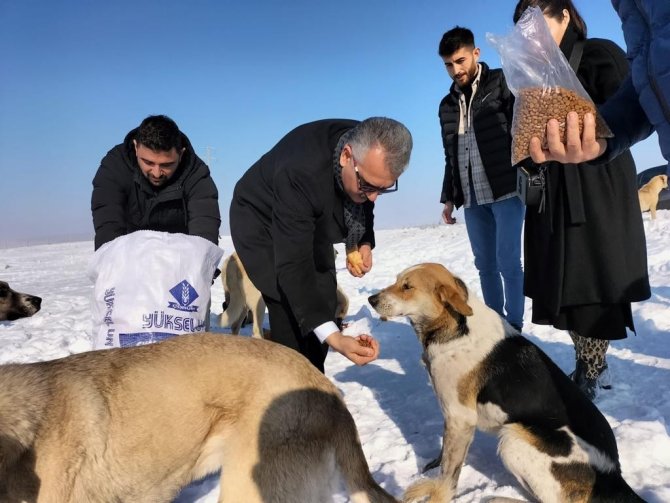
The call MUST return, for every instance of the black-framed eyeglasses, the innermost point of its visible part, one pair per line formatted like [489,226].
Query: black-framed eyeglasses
[368,188]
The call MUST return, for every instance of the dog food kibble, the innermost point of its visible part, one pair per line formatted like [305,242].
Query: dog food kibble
[364,343]
[355,260]
[536,105]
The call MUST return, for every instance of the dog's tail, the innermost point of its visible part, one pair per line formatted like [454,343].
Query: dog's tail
[353,467]
[429,490]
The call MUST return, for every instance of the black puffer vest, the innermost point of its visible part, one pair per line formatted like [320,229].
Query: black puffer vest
[492,118]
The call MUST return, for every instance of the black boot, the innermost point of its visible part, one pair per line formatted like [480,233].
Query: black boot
[590,385]
[591,371]
[584,383]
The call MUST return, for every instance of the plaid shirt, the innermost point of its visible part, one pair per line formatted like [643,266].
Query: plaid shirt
[470,167]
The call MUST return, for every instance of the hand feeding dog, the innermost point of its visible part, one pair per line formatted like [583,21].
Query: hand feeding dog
[137,424]
[552,438]
[648,194]
[15,305]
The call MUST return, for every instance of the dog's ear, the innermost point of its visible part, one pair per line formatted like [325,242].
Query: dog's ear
[455,297]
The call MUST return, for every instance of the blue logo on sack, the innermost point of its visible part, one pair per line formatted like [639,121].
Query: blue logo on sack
[185,295]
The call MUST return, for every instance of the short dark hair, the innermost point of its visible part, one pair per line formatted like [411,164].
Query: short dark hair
[159,133]
[554,9]
[454,39]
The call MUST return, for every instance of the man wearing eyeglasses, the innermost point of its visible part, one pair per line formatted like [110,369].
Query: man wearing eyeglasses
[476,120]
[315,188]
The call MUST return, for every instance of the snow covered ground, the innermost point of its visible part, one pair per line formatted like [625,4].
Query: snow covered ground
[391,398]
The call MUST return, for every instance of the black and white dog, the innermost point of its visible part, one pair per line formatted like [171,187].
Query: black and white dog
[552,438]
[15,305]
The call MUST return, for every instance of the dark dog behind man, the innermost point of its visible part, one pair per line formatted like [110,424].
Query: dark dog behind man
[486,376]
[15,305]
[135,425]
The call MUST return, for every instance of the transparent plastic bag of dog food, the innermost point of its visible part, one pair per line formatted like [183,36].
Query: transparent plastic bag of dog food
[542,81]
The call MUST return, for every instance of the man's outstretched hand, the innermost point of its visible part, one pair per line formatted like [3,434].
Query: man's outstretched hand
[361,349]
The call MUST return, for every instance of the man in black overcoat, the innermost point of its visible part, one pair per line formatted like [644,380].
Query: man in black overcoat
[315,188]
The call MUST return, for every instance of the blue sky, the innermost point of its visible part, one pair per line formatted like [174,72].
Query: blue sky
[76,76]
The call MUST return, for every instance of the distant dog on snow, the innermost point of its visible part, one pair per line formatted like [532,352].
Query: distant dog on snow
[553,439]
[15,305]
[648,193]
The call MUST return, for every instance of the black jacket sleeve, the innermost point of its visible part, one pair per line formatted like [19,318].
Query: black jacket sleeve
[202,199]
[447,182]
[626,118]
[608,82]
[296,208]
[109,199]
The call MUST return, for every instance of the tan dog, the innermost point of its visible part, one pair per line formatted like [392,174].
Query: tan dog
[15,305]
[244,302]
[135,425]
[648,193]
[553,439]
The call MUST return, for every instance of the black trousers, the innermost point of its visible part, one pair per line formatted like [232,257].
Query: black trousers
[286,331]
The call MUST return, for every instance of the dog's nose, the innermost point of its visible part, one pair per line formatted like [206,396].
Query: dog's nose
[36,301]
[373,299]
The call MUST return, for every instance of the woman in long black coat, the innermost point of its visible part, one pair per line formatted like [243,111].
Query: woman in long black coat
[585,256]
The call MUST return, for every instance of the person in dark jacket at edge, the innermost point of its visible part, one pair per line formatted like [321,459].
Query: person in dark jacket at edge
[315,188]
[585,254]
[154,181]
[476,122]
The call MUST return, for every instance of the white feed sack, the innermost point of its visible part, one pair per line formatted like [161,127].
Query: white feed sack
[149,286]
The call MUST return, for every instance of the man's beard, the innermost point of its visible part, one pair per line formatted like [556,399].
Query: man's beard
[470,76]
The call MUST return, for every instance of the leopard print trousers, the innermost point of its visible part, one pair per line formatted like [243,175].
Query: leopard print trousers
[591,352]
